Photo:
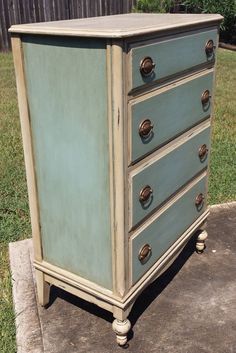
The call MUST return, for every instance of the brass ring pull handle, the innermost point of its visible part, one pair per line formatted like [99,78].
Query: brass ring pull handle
[147,66]
[209,47]
[205,98]
[144,253]
[199,200]
[145,128]
[145,194]
[203,151]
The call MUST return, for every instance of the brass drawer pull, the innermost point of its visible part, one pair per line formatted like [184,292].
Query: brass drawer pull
[199,200]
[205,98]
[144,253]
[209,47]
[145,194]
[145,128]
[147,66]
[202,152]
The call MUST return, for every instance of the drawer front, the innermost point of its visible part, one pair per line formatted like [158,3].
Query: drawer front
[166,175]
[170,56]
[170,113]
[165,230]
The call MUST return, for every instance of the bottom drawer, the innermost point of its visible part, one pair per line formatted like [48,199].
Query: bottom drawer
[151,243]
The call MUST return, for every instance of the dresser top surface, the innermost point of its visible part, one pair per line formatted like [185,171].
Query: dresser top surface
[117,26]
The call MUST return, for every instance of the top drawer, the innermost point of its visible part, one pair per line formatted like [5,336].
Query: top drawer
[170,56]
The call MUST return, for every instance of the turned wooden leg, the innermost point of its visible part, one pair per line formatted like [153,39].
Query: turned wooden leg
[200,244]
[43,288]
[121,328]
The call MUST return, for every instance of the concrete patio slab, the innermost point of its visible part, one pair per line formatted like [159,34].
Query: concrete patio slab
[191,308]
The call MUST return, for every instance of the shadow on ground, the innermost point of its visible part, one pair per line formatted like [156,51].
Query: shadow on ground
[191,308]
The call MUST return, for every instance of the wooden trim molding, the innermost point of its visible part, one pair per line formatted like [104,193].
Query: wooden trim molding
[119,169]
[97,295]
[120,26]
[27,143]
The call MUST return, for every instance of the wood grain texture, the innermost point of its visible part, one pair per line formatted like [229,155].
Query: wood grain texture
[120,170]
[167,174]
[171,56]
[43,288]
[167,228]
[73,279]
[172,110]
[70,136]
[91,298]
[30,11]
[27,144]
[119,26]
[81,121]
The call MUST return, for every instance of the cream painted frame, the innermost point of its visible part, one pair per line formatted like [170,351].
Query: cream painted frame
[120,300]
[119,177]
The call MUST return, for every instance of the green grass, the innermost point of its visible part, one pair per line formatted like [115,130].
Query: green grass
[14,213]
[222,182]
[14,206]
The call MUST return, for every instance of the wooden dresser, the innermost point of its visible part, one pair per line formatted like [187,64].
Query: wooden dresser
[116,121]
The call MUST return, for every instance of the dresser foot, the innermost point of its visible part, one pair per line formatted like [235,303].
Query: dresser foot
[43,288]
[200,244]
[121,328]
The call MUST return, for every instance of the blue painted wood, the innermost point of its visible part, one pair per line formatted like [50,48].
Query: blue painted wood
[66,81]
[172,56]
[171,112]
[168,174]
[166,229]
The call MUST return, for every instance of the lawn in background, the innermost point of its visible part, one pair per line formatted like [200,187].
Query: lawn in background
[14,213]
[222,182]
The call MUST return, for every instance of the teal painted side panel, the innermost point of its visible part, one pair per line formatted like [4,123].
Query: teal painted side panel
[172,56]
[167,228]
[171,113]
[66,81]
[168,174]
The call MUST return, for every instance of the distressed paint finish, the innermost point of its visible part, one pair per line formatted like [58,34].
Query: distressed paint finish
[173,111]
[172,56]
[80,112]
[66,81]
[27,144]
[168,174]
[120,26]
[166,229]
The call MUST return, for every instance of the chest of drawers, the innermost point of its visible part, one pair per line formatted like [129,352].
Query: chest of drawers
[116,118]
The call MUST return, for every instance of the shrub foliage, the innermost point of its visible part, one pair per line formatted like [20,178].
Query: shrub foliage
[227,8]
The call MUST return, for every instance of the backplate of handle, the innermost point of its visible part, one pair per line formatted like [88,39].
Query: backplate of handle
[145,194]
[209,47]
[145,128]
[144,253]
[205,98]
[199,200]
[147,66]
[203,151]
